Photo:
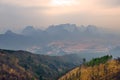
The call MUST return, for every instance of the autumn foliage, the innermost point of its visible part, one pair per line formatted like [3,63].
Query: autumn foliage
[107,70]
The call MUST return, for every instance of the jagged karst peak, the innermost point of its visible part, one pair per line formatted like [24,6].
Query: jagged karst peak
[65,27]
[9,32]
[28,28]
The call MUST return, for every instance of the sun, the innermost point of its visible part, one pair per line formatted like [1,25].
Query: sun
[62,2]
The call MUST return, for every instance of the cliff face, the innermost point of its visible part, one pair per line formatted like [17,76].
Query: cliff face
[104,71]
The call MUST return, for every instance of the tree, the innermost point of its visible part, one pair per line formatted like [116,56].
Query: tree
[84,60]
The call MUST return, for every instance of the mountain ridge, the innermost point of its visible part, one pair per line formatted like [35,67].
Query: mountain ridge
[34,66]
[108,70]
[66,36]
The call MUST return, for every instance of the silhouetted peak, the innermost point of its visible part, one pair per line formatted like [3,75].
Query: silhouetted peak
[62,27]
[29,28]
[31,31]
[92,29]
[9,32]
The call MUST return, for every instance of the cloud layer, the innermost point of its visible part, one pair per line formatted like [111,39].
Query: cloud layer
[19,13]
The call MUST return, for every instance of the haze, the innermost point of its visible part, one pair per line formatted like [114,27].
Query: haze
[16,14]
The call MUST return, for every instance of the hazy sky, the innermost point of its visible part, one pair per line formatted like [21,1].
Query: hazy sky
[16,14]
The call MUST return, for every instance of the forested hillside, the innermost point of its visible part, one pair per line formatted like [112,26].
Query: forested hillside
[22,65]
[104,68]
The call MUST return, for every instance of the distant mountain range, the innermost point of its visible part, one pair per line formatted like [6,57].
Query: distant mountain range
[59,39]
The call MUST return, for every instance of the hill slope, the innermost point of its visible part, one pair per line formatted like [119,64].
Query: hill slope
[109,70]
[22,65]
